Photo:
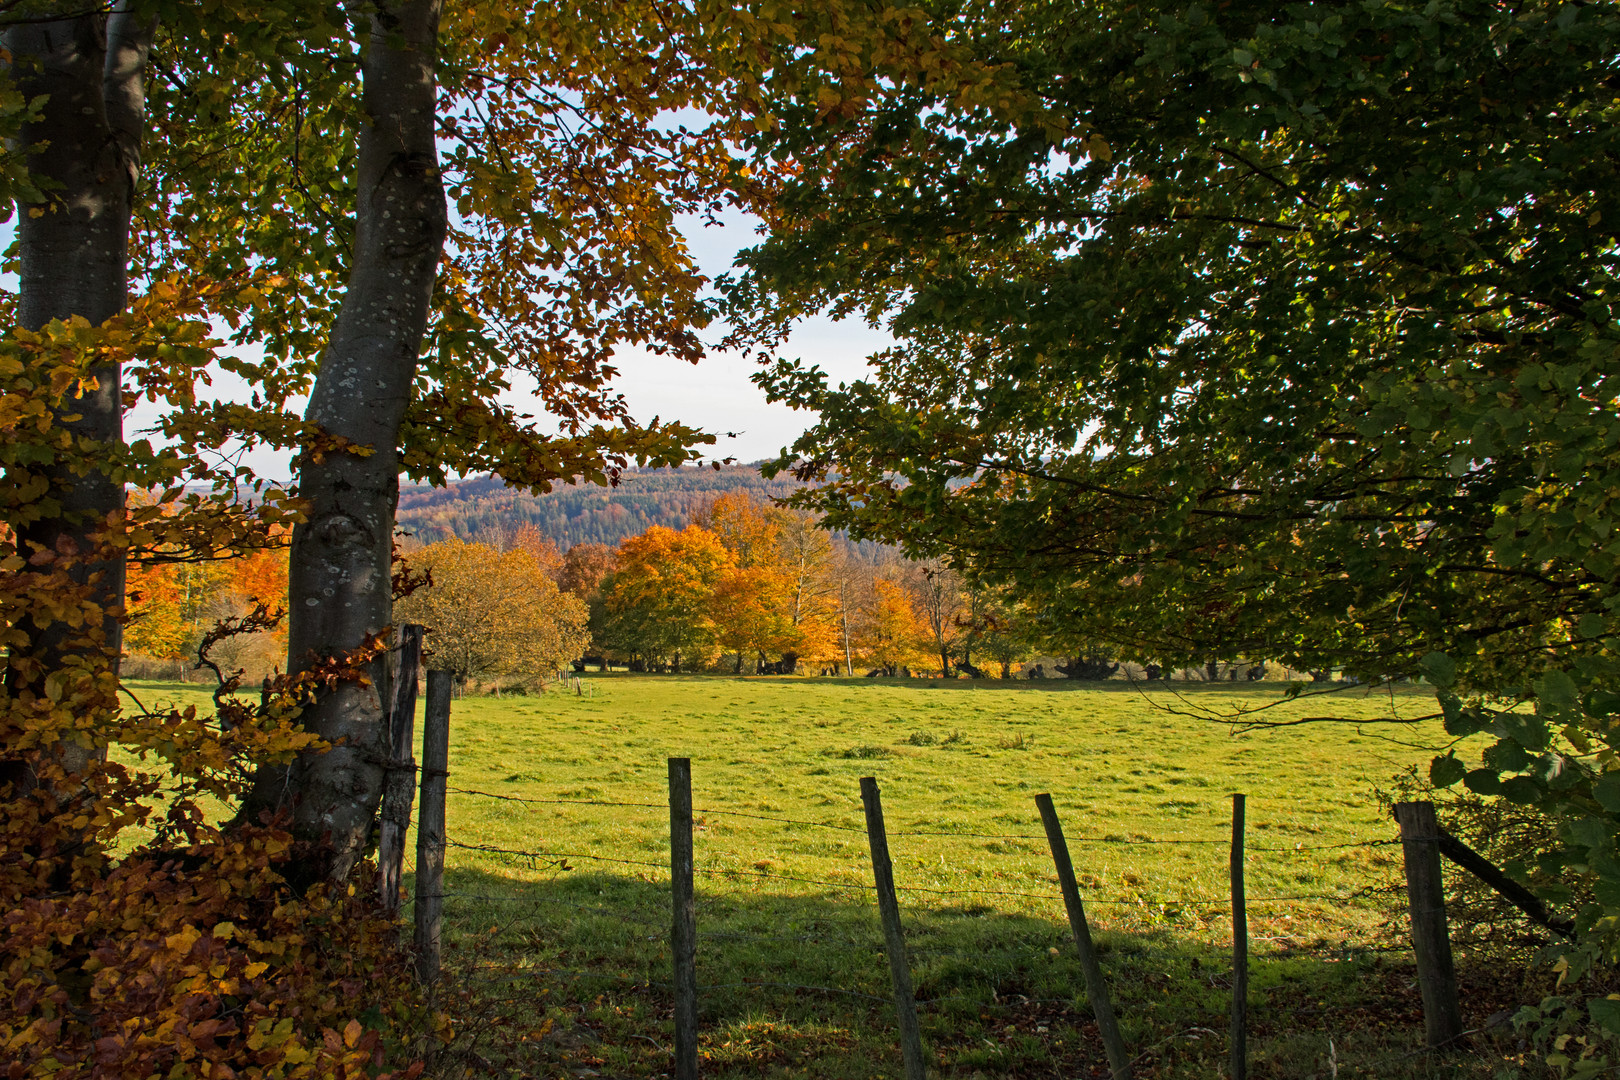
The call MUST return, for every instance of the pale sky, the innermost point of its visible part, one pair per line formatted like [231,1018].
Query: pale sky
[716,395]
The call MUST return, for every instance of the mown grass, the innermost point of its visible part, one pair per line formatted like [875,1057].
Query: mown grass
[565,951]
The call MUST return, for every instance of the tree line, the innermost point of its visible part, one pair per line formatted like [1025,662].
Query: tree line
[749,587]
[579,514]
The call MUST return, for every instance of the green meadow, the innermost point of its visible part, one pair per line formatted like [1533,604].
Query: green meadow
[558,904]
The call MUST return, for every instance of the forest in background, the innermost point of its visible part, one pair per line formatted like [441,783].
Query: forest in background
[583,514]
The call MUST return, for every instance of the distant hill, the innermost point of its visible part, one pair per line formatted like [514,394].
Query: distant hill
[578,515]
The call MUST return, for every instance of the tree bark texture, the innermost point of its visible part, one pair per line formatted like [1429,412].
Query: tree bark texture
[83,152]
[339,578]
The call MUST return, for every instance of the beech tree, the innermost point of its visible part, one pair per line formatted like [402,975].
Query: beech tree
[1246,330]
[81,142]
[563,248]
[889,632]
[494,613]
[658,603]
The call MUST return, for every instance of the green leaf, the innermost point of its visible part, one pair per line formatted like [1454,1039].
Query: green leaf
[1606,790]
[1605,1013]
[1607,892]
[1592,833]
[1484,782]
[1521,790]
[1439,669]
[1446,771]
[1461,720]
[1556,689]
[1506,756]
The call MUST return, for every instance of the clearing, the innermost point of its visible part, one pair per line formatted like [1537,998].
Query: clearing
[562,932]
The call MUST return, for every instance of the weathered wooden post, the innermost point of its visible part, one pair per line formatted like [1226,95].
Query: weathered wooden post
[1240,950]
[1426,899]
[1119,1062]
[894,939]
[430,824]
[683,936]
[400,781]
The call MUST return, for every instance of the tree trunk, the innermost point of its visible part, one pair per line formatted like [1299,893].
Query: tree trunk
[339,588]
[73,260]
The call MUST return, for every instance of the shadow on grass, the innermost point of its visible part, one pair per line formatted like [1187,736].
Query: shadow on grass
[573,974]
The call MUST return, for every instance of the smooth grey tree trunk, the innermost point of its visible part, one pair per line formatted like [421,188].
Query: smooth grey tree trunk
[340,577]
[73,252]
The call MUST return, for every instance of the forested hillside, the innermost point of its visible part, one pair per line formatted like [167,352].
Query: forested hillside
[578,515]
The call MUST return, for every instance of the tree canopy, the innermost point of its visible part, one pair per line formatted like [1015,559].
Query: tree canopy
[1241,329]
[494,613]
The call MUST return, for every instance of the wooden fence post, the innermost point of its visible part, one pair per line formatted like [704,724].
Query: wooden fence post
[1426,899]
[1119,1062]
[1240,950]
[683,936]
[430,824]
[905,1006]
[399,783]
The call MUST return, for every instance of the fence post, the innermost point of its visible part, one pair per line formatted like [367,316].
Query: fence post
[905,1006]
[1240,950]
[399,783]
[430,824]
[683,937]
[1119,1062]
[1426,899]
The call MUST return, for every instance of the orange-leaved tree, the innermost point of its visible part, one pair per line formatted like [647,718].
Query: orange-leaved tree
[494,613]
[657,607]
[752,608]
[780,600]
[890,633]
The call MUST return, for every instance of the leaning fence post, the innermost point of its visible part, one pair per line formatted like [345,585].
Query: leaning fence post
[430,824]
[399,784]
[1426,898]
[1119,1062]
[683,937]
[1240,950]
[905,1006]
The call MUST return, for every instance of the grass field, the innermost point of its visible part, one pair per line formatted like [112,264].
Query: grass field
[564,952]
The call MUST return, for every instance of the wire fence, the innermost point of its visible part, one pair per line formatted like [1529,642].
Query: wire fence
[539,858]
[649,924]
[973,967]
[643,939]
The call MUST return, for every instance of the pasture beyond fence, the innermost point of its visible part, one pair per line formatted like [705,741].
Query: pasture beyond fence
[1422,841]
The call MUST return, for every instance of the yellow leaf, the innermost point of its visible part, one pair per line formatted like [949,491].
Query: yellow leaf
[184,940]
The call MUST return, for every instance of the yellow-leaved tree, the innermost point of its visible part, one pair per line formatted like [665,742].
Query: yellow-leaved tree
[891,634]
[779,599]
[657,607]
[492,613]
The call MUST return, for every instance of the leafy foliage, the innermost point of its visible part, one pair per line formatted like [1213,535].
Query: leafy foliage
[494,613]
[1246,330]
[141,939]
